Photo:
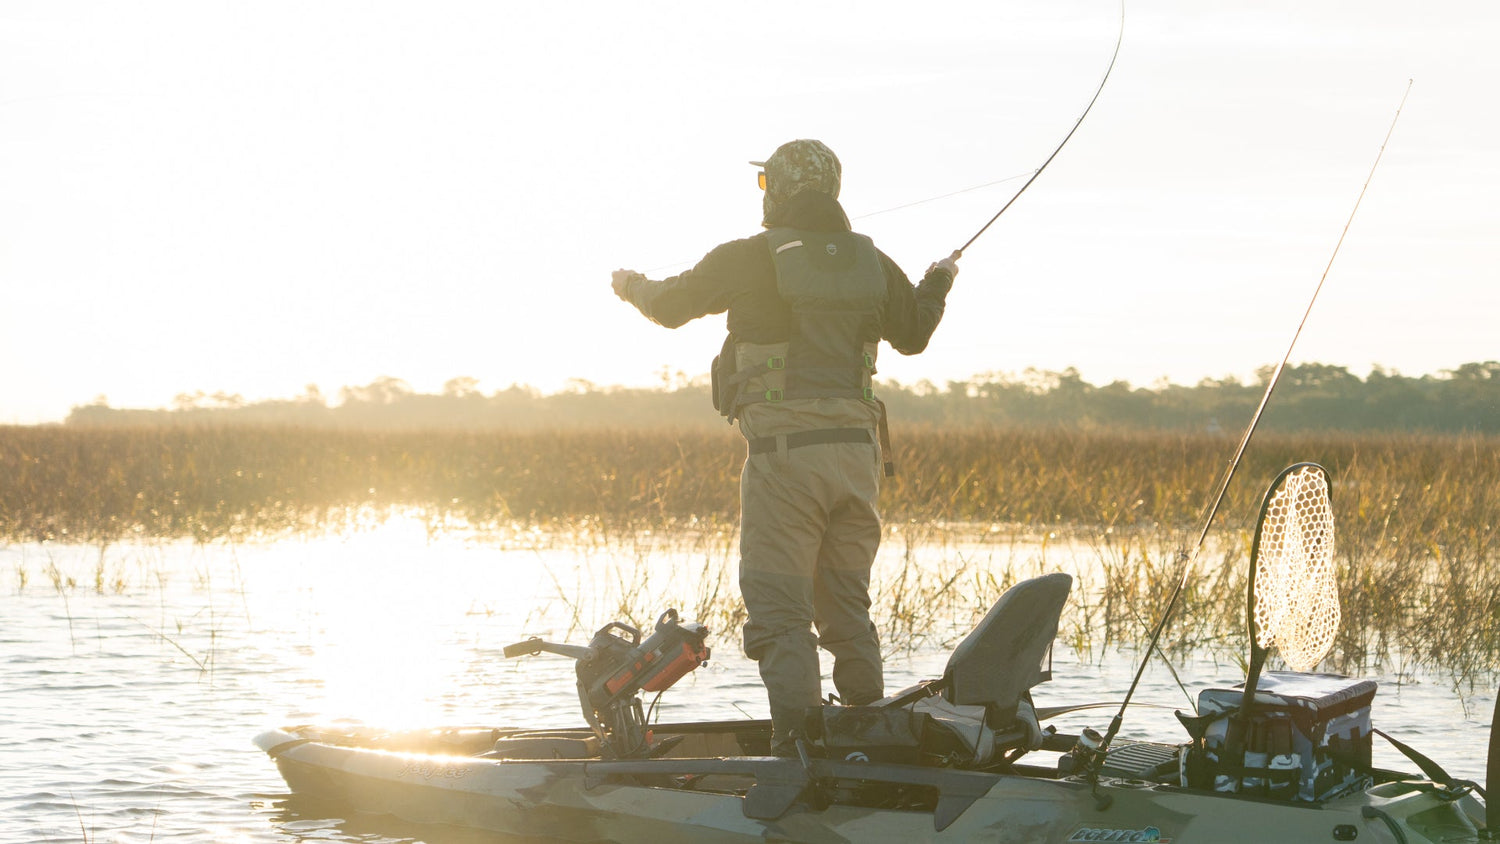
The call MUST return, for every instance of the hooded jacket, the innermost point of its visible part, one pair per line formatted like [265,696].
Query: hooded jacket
[740,277]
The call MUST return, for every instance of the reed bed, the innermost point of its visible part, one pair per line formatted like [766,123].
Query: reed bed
[969,512]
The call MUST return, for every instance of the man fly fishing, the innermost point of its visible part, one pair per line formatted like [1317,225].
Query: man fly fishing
[808,303]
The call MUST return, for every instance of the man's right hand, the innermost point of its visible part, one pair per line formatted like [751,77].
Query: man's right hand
[949,263]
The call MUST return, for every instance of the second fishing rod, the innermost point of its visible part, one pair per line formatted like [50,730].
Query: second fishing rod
[1188,557]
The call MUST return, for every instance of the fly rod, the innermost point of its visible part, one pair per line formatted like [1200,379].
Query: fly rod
[1118,41]
[1188,559]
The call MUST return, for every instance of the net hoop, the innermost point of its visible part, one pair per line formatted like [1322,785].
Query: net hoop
[1293,599]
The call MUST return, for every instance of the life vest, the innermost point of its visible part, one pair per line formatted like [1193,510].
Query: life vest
[836,288]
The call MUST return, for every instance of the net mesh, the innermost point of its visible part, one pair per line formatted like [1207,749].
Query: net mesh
[1296,594]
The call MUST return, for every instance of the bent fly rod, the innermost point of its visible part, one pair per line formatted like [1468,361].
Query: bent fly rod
[1118,41]
[1189,559]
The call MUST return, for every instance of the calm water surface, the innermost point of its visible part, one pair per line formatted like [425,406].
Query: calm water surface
[128,699]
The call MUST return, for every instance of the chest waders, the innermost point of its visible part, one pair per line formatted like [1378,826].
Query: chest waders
[836,288]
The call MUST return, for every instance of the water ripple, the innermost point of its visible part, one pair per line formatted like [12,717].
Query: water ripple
[128,717]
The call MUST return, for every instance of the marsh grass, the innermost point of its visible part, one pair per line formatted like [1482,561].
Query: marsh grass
[970,512]
[933,583]
[132,569]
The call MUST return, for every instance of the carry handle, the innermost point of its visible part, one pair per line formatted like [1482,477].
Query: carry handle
[635,632]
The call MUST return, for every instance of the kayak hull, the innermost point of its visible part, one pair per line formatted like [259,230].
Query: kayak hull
[445,776]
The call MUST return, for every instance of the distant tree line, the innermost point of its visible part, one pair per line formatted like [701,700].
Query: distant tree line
[1310,396]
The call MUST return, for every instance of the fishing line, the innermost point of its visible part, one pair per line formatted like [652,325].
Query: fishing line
[901,207]
[1118,41]
[1189,559]
[945,195]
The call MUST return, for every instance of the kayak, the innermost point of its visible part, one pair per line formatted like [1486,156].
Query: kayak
[705,789]
[952,759]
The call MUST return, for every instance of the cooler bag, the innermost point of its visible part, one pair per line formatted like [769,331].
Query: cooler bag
[1308,736]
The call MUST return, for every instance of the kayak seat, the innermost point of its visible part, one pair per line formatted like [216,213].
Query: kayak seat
[984,696]
[545,747]
[1010,650]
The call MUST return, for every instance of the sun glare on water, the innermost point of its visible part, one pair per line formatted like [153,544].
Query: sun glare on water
[389,619]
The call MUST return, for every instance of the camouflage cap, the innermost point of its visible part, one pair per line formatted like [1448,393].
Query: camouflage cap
[796,166]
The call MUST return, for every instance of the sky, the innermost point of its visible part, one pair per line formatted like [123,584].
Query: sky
[252,198]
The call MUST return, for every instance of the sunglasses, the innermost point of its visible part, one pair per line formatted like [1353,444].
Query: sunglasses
[760,179]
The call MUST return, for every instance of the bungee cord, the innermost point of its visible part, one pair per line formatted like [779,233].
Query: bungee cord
[1189,559]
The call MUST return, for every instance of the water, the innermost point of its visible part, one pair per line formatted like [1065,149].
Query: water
[128,701]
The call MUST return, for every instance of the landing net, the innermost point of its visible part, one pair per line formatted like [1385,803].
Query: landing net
[1296,595]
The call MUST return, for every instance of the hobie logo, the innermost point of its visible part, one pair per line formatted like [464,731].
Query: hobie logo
[1150,833]
[428,770]
[831,249]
